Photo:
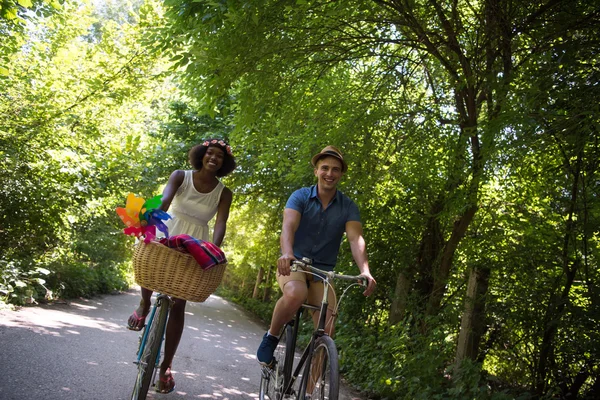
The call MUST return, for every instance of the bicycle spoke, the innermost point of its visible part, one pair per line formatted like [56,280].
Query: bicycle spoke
[150,353]
[322,381]
[273,380]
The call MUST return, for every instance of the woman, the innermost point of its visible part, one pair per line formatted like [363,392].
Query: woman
[197,195]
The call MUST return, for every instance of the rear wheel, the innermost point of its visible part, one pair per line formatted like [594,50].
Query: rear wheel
[321,379]
[273,380]
[150,352]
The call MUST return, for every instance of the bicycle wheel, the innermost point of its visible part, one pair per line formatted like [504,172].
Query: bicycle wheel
[321,377]
[273,380]
[150,352]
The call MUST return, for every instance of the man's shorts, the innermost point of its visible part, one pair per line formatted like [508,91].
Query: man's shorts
[315,288]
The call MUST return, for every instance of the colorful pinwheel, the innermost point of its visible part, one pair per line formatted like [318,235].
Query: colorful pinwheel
[143,217]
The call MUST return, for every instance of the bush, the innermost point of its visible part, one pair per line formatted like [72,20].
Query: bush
[261,310]
[21,282]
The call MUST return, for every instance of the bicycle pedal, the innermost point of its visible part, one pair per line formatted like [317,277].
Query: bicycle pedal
[267,370]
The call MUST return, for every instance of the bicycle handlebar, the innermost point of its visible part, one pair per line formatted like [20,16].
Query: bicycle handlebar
[329,274]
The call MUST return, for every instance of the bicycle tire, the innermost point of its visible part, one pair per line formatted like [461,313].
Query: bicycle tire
[289,352]
[150,353]
[324,359]
[273,380]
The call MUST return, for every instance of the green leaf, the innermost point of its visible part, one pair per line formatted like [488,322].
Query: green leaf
[11,13]
[4,71]
[25,3]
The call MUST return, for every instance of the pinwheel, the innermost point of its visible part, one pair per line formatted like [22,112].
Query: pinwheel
[143,217]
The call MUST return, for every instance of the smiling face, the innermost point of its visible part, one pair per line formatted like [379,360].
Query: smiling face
[213,159]
[328,172]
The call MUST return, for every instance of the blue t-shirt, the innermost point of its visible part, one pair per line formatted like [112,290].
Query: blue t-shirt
[320,232]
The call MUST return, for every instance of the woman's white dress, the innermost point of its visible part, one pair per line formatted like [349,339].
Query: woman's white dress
[191,210]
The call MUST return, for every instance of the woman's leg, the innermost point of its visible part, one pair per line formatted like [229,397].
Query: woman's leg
[137,320]
[172,338]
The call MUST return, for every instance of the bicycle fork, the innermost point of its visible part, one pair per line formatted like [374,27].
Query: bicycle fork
[306,355]
[161,301]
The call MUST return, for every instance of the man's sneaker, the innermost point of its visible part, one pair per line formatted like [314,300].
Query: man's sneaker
[264,355]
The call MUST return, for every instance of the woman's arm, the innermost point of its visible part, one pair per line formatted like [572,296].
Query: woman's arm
[222,216]
[175,181]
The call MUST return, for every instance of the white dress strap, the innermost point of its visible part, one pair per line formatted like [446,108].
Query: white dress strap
[217,192]
[187,177]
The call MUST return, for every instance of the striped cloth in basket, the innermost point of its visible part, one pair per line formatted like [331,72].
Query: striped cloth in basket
[207,254]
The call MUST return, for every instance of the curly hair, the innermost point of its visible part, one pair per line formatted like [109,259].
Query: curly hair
[197,153]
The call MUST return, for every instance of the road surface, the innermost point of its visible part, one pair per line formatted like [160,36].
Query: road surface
[82,350]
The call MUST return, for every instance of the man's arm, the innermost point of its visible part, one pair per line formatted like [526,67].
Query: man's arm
[291,221]
[359,253]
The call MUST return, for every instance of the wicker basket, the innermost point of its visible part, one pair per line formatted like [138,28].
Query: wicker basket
[177,274]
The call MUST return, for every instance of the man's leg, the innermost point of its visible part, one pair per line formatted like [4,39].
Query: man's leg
[294,294]
[329,321]
[315,296]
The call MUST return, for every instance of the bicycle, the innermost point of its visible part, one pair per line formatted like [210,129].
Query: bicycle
[177,277]
[150,343]
[319,359]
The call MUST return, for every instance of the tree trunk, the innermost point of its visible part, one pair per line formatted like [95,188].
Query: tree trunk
[557,304]
[398,308]
[472,325]
[267,291]
[259,279]
[430,247]
[443,271]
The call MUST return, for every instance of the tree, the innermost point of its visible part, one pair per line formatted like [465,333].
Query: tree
[75,107]
[425,97]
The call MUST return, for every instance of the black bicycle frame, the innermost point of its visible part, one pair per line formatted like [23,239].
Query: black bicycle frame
[320,331]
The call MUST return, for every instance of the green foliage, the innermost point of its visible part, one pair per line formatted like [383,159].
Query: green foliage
[258,308]
[463,150]
[394,363]
[75,110]
[76,279]
[471,133]
[20,284]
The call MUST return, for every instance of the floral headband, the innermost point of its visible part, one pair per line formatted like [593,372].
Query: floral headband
[220,143]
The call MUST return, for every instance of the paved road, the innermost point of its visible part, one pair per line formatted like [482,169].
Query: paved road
[82,350]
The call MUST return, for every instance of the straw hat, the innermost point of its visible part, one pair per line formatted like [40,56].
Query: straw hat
[330,151]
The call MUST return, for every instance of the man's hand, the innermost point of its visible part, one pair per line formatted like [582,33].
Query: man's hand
[371,284]
[283,264]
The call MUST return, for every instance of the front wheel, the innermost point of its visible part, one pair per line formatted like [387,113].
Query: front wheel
[273,380]
[321,377]
[150,352]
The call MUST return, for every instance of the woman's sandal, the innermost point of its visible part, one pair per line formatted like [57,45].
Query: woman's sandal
[166,381]
[139,324]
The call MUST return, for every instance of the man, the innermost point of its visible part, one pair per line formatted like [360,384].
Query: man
[314,221]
